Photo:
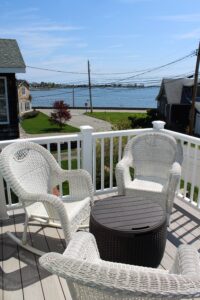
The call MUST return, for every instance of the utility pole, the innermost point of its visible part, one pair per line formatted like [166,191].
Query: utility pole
[194,92]
[89,86]
[73,97]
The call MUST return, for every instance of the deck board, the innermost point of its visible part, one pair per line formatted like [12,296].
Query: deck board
[23,278]
[50,283]
[12,281]
[32,288]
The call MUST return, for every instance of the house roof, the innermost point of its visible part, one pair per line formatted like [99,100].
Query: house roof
[173,89]
[22,82]
[11,60]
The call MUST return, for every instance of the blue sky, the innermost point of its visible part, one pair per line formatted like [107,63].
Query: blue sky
[115,35]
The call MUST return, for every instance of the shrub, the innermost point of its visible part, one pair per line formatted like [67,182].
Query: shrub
[145,121]
[30,114]
[122,125]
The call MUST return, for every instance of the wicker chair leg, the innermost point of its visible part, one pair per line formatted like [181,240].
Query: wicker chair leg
[25,246]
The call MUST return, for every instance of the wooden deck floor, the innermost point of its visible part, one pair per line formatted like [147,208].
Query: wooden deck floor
[21,276]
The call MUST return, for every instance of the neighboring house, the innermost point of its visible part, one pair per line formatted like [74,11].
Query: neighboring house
[24,96]
[174,102]
[11,62]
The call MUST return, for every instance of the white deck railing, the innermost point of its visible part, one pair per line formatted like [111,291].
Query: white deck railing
[98,153]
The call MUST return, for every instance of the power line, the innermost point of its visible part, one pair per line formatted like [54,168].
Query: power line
[58,71]
[160,67]
[141,72]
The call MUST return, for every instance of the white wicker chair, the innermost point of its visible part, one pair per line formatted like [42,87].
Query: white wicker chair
[90,278]
[32,172]
[156,159]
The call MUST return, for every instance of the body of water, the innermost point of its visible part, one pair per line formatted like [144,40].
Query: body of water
[101,97]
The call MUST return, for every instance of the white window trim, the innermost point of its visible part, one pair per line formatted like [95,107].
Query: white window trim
[6,94]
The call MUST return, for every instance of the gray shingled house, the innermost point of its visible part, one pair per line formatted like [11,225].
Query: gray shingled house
[11,62]
[174,102]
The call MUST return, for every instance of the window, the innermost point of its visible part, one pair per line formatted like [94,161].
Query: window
[27,105]
[4,117]
[23,91]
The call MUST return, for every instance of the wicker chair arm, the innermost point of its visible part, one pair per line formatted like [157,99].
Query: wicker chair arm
[122,174]
[174,178]
[121,279]
[83,246]
[187,261]
[175,170]
[54,203]
[80,183]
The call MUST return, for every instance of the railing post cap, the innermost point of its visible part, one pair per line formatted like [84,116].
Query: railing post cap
[86,128]
[158,125]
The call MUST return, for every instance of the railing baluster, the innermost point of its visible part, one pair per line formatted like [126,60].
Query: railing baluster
[119,148]
[194,162]
[94,164]
[78,155]
[102,163]
[186,170]
[48,147]
[69,156]
[58,154]
[198,201]
[111,162]
[9,194]
[3,212]
[59,162]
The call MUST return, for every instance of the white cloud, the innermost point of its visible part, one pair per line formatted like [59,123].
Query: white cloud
[35,28]
[181,18]
[115,46]
[120,36]
[19,12]
[37,40]
[194,34]
[51,28]
[134,1]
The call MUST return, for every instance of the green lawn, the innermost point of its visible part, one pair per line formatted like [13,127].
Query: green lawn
[114,117]
[41,124]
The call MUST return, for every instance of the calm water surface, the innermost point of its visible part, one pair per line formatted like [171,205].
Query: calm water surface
[102,97]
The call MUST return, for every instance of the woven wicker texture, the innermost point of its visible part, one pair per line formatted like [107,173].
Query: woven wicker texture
[31,171]
[156,159]
[89,277]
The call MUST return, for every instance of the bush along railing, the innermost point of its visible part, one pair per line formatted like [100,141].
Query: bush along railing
[99,152]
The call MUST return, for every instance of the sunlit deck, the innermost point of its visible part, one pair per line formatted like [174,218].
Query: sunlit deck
[23,278]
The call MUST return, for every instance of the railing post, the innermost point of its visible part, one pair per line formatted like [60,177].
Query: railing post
[3,210]
[158,125]
[87,154]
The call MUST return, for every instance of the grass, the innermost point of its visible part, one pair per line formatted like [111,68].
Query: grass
[41,124]
[188,189]
[64,165]
[114,117]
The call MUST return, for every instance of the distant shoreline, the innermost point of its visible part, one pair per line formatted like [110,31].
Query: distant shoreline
[93,86]
[99,108]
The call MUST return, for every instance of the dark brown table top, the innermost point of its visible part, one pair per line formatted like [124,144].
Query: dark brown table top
[128,215]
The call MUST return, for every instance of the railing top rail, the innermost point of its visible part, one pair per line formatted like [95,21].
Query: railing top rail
[117,133]
[45,140]
[181,136]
